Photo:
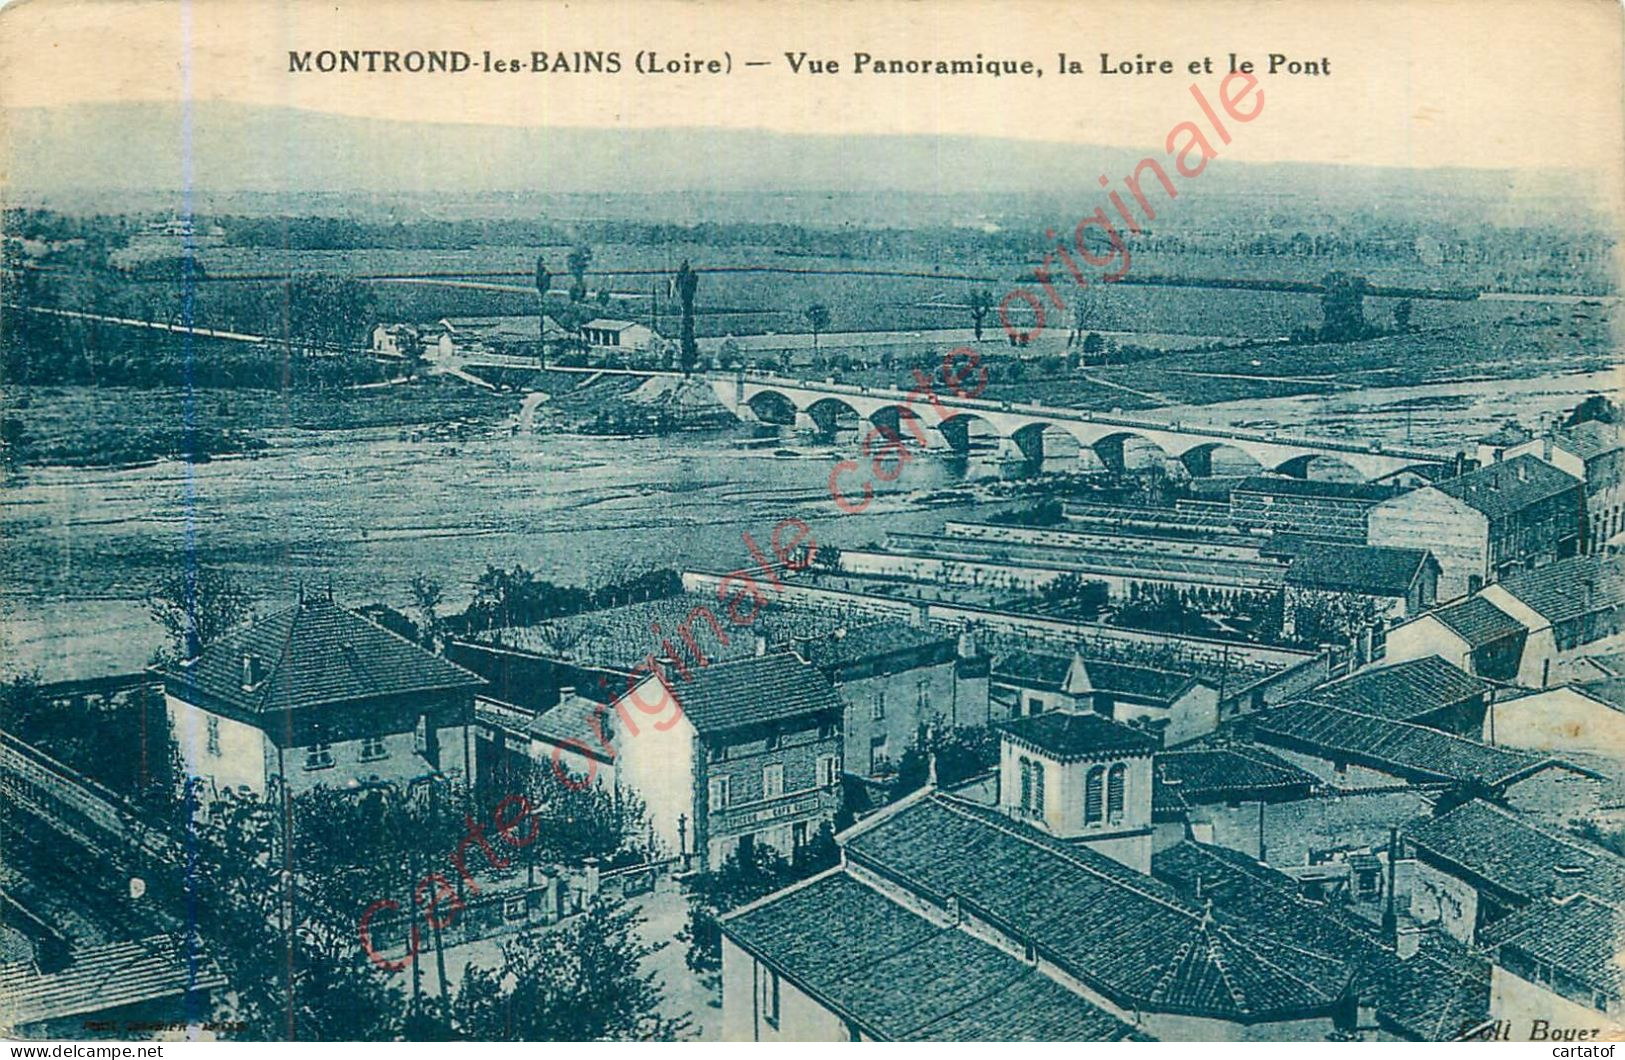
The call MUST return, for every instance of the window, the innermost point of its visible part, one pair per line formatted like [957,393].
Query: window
[1038,788]
[214,736]
[319,756]
[1026,783]
[1094,796]
[1032,787]
[1116,779]
[826,770]
[420,736]
[798,836]
[922,695]
[772,781]
[372,748]
[878,713]
[877,753]
[770,997]
[719,793]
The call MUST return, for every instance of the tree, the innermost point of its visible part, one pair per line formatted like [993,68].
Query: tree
[1596,408]
[817,319]
[1402,315]
[580,982]
[688,282]
[728,355]
[196,606]
[1093,343]
[1342,307]
[981,301]
[578,262]
[427,596]
[745,877]
[960,753]
[319,311]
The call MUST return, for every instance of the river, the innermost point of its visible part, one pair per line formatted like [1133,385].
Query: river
[363,510]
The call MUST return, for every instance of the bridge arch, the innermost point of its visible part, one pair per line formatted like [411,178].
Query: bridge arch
[965,431]
[1219,458]
[1128,450]
[771,406]
[830,415]
[1323,467]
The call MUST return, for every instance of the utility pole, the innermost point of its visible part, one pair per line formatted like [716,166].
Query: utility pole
[1262,851]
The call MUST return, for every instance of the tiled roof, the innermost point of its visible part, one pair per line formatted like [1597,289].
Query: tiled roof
[100,978]
[1143,682]
[1513,855]
[1282,486]
[1590,439]
[1225,773]
[881,967]
[576,722]
[314,653]
[870,642]
[1404,691]
[1433,996]
[1479,622]
[1500,489]
[1032,669]
[1571,588]
[750,691]
[1070,737]
[1375,570]
[1127,936]
[1415,752]
[1581,936]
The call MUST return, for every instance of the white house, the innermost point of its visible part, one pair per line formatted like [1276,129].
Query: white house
[604,333]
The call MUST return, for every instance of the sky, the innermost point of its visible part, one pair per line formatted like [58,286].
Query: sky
[109,94]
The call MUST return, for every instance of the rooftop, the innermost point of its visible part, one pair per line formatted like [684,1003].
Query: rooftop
[1403,691]
[1581,937]
[1433,996]
[1570,588]
[314,653]
[1508,486]
[1515,856]
[1129,937]
[1374,570]
[1590,439]
[880,966]
[1414,752]
[1221,774]
[104,977]
[1283,486]
[1032,669]
[1479,622]
[1068,737]
[764,688]
[875,643]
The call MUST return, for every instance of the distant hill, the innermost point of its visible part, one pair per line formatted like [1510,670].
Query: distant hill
[259,160]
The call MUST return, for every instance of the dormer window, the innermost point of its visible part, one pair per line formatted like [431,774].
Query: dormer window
[253,671]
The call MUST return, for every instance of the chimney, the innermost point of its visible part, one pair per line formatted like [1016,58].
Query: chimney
[1408,940]
[252,673]
[1523,472]
[1566,881]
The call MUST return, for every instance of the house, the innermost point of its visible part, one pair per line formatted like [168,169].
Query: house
[923,879]
[318,696]
[397,340]
[733,754]
[1186,779]
[1399,582]
[1351,750]
[1480,862]
[142,988]
[1284,505]
[1407,984]
[837,959]
[1426,691]
[607,334]
[1584,718]
[1513,515]
[1177,707]
[1557,965]
[1472,635]
[1563,606]
[1501,442]
[895,678]
[521,334]
[1594,453]
[1080,777]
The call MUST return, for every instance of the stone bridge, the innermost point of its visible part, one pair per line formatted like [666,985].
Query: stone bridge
[1020,429]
